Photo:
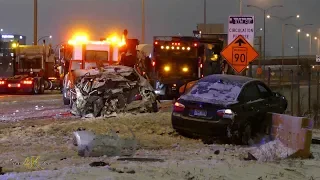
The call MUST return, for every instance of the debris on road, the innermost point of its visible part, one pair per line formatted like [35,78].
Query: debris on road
[114,89]
[271,151]
[91,145]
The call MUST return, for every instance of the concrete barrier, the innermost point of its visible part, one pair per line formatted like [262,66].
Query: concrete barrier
[293,132]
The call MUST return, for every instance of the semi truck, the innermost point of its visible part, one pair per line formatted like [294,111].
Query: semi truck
[29,69]
[180,59]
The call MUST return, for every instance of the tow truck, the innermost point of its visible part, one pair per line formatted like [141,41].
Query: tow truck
[88,54]
[30,69]
[180,59]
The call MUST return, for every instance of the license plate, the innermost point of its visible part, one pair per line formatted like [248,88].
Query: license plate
[199,112]
[14,85]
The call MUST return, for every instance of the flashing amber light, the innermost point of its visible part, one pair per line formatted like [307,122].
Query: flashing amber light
[185,69]
[166,68]
[26,82]
[172,47]
[201,65]
[183,48]
[188,48]
[178,48]
[162,47]
[167,47]
[115,40]
[80,39]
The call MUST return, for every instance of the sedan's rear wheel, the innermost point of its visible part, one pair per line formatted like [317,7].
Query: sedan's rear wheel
[246,134]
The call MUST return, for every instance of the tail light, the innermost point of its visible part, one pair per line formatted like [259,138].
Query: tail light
[226,113]
[178,107]
[156,42]
[27,82]
[2,82]
[153,63]
[195,44]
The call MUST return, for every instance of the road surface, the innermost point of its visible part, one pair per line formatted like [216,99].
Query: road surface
[19,107]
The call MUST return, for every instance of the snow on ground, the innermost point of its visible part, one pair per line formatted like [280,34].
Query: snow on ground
[183,158]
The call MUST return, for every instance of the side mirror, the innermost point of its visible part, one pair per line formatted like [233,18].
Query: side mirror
[277,94]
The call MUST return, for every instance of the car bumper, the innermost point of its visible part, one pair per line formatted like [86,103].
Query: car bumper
[200,126]
[15,89]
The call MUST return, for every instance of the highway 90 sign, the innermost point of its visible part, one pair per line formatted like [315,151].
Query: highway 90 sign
[241,25]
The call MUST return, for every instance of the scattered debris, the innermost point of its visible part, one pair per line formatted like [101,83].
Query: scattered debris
[99,164]
[141,159]
[113,90]
[217,152]
[315,141]
[91,145]
[250,157]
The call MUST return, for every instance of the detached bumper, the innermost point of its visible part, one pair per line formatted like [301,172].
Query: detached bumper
[200,126]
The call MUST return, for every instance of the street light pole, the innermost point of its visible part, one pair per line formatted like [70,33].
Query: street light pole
[205,15]
[240,4]
[143,24]
[264,24]
[35,21]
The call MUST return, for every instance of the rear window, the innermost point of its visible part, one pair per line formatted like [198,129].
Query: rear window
[214,92]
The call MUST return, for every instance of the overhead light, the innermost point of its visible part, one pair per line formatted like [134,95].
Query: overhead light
[298,16]
[298,30]
[268,16]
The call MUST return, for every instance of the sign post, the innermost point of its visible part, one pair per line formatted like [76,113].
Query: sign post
[239,53]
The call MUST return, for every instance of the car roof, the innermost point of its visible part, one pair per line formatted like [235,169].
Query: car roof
[226,77]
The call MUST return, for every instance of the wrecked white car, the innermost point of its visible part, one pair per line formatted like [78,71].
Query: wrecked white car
[111,90]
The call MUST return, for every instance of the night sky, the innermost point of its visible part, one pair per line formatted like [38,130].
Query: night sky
[61,18]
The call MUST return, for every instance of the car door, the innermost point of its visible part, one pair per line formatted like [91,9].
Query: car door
[252,106]
[271,103]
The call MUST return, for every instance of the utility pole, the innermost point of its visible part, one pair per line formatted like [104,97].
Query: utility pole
[35,22]
[205,15]
[143,24]
[240,4]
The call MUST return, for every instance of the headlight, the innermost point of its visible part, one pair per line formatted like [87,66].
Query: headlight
[166,68]
[185,69]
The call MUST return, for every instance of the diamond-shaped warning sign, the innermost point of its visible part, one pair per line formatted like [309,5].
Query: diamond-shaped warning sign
[239,53]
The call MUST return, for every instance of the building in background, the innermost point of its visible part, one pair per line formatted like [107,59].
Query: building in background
[13,38]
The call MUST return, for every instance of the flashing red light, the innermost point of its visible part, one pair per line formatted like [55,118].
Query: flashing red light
[195,44]
[178,107]
[156,42]
[172,43]
[178,44]
[2,82]
[200,65]
[153,63]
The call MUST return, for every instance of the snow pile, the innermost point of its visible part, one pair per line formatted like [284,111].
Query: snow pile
[271,151]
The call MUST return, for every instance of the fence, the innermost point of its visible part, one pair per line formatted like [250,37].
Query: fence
[299,86]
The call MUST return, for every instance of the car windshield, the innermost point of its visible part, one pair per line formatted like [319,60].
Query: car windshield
[214,91]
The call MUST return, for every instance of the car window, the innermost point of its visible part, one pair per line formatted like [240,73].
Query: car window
[264,91]
[249,93]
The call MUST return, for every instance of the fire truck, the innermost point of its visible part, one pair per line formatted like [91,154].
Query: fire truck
[180,59]
[88,54]
[30,69]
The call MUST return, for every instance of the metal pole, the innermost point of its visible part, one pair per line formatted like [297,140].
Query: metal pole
[205,16]
[318,48]
[143,24]
[240,4]
[35,22]
[298,75]
[317,107]
[282,63]
[292,81]
[264,34]
[309,91]
[310,46]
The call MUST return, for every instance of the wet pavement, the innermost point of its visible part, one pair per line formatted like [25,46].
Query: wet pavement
[19,107]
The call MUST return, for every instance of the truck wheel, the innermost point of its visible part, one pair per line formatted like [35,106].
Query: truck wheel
[41,88]
[36,87]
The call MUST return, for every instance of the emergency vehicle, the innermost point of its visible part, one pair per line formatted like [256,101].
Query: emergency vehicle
[180,59]
[30,69]
[88,54]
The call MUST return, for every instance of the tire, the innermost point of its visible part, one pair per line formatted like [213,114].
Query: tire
[66,101]
[155,107]
[246,134]
[41,88]
[36,87]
